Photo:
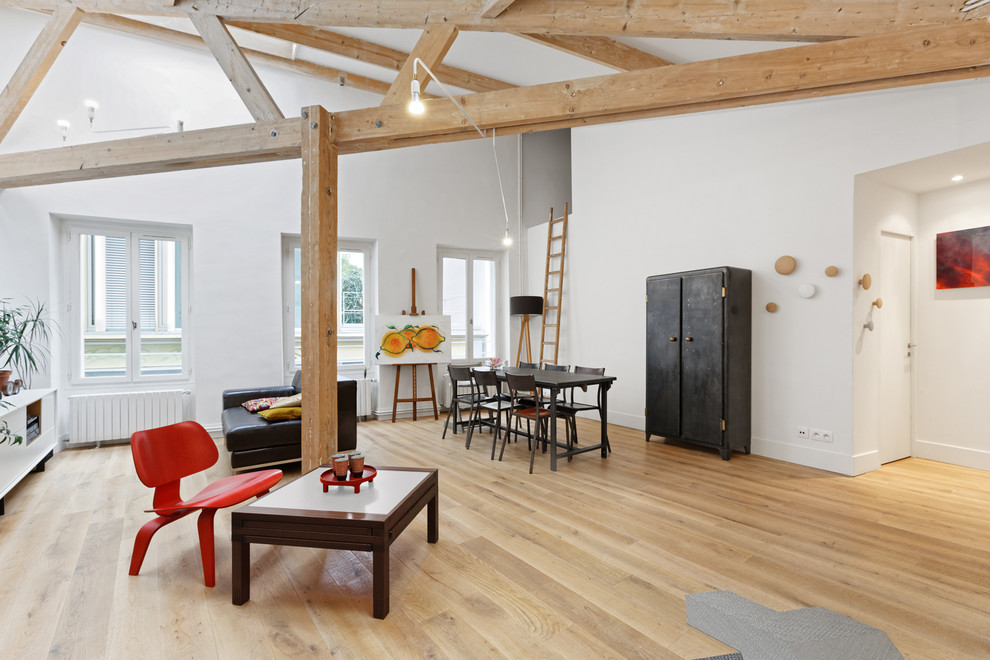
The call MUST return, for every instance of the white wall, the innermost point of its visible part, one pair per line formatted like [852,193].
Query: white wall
[952,419]
[741,188]
[410,201]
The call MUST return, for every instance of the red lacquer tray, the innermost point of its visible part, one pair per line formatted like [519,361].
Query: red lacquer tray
[328,479]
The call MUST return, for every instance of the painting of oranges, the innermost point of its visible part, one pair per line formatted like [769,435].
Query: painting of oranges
[398,339]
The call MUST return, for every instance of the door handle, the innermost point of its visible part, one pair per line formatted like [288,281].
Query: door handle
[133,325]
[688,339]
[673,339]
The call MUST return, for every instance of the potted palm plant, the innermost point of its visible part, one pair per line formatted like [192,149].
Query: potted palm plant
[25,332]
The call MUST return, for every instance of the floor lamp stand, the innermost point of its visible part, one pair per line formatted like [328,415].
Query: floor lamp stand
[524,331]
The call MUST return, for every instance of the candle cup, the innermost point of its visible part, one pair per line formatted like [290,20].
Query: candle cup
[340,465]
[357,464]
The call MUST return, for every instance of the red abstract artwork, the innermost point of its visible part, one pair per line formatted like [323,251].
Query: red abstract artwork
[962,258]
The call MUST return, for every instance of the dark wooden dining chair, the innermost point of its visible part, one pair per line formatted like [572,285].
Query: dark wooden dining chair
[162,458]
[569,409]
[488,391]
[523,390]
[528,365]
[459,401]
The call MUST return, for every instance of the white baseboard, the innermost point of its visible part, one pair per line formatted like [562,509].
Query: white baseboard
[944,453]
[810,456]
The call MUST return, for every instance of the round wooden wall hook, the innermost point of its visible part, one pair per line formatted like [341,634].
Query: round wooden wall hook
[866,281]
[785,265]
[878,303]
[771,307]
[831,271]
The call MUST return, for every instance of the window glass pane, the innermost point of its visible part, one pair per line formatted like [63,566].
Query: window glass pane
[351,293]
[350,307]
[297,296]
[483,290]
[455,303]
[103,296]
[160,302]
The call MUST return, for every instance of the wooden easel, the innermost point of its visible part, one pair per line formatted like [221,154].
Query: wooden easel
[429,368]
[415,398]
[412,310]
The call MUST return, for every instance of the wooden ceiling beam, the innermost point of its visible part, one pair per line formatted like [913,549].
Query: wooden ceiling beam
[368,52]
[431,48]
[168,152]
[363,146]
[735,79]
[178,38]
[794,20]
[35,65]
[600,50]
[919,56]
[238,70]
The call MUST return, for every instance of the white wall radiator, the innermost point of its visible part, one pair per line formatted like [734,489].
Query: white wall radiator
[115,416]
[367,390]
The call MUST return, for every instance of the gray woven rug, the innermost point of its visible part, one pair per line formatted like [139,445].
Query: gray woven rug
[760,633]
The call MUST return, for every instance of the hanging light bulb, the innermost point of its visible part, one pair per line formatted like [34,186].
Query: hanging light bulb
[416,106]
[507,239]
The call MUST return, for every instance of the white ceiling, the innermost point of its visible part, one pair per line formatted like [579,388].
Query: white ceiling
[936,172]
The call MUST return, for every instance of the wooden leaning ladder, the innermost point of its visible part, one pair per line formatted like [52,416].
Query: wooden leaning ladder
[553,288]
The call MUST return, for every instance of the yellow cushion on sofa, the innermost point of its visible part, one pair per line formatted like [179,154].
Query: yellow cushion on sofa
[278,414]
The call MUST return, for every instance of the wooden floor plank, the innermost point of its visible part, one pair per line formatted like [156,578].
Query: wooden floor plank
[591,561]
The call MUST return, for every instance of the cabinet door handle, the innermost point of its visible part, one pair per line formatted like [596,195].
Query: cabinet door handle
[673,339]
[688,339]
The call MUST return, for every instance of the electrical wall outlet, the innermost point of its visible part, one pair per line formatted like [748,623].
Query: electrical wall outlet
[803,433]
[821,435]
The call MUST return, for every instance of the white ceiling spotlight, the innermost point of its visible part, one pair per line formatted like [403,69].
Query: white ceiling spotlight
[63,126]
[91,107]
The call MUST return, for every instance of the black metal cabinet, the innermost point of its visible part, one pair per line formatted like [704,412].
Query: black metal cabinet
[698,366]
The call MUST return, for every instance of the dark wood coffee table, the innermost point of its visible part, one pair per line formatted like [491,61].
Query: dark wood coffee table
[300,513]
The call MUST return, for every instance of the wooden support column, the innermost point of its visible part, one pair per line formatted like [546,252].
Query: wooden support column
[319,287]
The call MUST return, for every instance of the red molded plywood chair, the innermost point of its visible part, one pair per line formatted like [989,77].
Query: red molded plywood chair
[165,455]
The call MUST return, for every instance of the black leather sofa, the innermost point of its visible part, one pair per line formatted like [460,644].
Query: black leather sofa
[253,441]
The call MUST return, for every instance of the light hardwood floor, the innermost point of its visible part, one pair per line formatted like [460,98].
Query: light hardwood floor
[593,561]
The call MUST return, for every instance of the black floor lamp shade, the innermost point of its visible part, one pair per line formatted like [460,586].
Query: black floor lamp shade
[519,305]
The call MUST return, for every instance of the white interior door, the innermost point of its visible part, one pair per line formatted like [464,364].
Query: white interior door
[894,326]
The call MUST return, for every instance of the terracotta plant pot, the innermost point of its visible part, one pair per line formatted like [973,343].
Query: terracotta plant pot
[4,377]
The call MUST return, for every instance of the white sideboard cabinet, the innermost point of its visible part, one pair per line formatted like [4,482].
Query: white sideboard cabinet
[38,443]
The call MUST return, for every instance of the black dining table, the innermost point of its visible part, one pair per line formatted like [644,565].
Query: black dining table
[555,381]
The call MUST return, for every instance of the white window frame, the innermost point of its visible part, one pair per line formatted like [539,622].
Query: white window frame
[75,308]
[289,244]
[469,256]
